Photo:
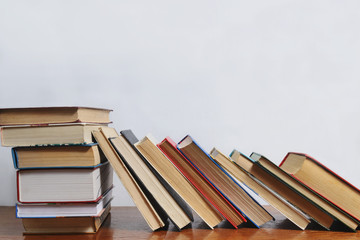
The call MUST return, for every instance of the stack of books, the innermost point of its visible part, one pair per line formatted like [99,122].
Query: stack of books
[64,181]
[168,182]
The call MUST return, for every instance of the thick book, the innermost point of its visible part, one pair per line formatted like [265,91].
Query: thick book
[139,194]
[81,156]
[168,146]
[160,162]
[327,206]
[70,134]
[63,184]
[284,190]
[65,225]
[324,182]
[160,194]
[132,140]
[51,210]
[154,156]
[223,182]
[53,115]
[294,215]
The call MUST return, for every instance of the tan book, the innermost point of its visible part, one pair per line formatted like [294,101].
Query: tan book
[51,115]
[336,195]
[177,181]
[51,135]
[226,185]
[141,200]
[285,191]
[57,156]
[65,225]
[274,200]
[168,172]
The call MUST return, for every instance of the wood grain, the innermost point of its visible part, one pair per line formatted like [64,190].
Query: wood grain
[127,223]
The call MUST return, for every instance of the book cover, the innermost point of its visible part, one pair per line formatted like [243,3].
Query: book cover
[53,115]
[317,177]
[283,189]
[239,212]
[63,163]
[54,185]
[132,139]
[133,186]
[243,199]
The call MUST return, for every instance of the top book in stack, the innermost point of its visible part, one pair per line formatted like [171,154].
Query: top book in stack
[52,125]
[53,115]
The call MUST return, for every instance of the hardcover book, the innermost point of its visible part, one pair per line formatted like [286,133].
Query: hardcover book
[82,156]
[226,185]
[159,161]
[71,134]
[61,225]
[53,115]
[134,187]
[325,205]
[202,184]
[282,189]
[324,182]
[132,140]
[294,215]
[64,185]
[52,210]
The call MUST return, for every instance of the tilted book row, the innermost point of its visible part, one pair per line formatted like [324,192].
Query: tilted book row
[166,180]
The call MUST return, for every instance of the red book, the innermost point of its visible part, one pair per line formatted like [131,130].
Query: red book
[324,182]
[168,147]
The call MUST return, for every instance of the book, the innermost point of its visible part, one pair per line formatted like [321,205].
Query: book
[284,190]
[324,182]
[138,168]
[63,185]
[132,140]
[225,184]
[294,215]
[202,184]
[137,193]
[57,156]
[51,210]
[178,182]
[65,225]
[325,205]
[51,135]
[160,164]
[53,115]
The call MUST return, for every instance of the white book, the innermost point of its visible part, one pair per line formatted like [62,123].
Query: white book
[49,210]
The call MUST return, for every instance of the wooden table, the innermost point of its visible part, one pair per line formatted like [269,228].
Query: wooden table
[127,223]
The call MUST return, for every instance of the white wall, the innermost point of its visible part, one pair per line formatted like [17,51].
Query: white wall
[264,76]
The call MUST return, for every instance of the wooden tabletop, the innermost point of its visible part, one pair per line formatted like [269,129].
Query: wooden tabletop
[127,223]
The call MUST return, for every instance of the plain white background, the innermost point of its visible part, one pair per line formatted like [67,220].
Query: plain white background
[263,76]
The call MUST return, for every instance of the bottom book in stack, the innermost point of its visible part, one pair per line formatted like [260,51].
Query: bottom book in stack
[64,199]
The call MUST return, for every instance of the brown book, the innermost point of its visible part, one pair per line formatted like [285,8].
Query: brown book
[65,225]
[133,187]
[51,135]
[284,190]
[224,182]
[340,198]
[52,115]
[57,156]
[178,182]
[274,200]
